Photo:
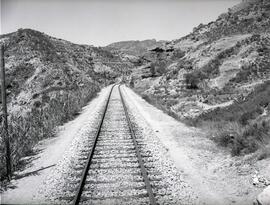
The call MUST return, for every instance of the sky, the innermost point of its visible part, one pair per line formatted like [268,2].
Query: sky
[101,22]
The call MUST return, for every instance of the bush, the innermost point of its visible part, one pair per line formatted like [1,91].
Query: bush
[152,70]
[146,98]
[238,138]
[223,132]
[131,83]
[192,81]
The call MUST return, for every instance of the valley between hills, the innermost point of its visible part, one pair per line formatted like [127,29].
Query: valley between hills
[212,85]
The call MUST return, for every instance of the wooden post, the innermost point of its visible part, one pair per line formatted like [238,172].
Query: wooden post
[4,108]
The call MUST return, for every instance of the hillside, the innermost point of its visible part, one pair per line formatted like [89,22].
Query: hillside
[49,80]
[136,48]
[216,77]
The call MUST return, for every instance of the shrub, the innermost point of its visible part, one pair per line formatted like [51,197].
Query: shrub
[223,132]
[237,138]
[146,98]
[131,83]
[191,81]
[152,70]
[246,117]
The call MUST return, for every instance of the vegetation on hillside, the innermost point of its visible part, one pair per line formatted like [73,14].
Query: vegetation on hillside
[217,77]
[49,80]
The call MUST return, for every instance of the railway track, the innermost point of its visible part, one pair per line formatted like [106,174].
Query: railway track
[115,172]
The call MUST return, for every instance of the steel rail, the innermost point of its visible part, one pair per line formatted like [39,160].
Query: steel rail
[76,200]
[142,167]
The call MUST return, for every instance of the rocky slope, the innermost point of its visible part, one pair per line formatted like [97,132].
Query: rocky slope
[217,75]
[48,81]
[136,48]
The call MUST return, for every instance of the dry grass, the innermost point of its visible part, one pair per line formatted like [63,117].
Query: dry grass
[239,139]
[25,131]
[240,129]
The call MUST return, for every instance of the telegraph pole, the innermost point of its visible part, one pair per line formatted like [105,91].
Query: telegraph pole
[4,109]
